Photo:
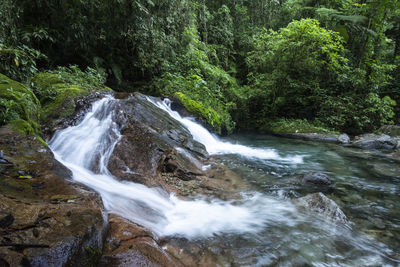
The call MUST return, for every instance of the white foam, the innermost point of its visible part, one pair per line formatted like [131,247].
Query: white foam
[85,149]
[216,146]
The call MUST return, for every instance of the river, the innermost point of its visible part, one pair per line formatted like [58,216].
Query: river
[264,228]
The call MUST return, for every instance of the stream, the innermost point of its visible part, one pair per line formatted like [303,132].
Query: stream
[263,228]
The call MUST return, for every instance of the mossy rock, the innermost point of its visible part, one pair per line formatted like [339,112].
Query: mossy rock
[18,106]
[57,97]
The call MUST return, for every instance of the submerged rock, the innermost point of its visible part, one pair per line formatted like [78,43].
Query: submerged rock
[316,179]
[374,141]
[35,229]
[323,206]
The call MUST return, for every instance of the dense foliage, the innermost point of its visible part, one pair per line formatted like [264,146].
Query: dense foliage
[244,64]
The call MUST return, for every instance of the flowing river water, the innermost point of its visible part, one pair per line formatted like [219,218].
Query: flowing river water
[263,228]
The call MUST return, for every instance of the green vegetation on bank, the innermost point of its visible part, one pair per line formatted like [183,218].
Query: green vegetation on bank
[236,64]
[52,96]
[18,104]
[59,90]
[295,126]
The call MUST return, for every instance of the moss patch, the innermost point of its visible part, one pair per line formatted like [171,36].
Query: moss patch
[212,118]
[19,105]
[202,98]
[58,97]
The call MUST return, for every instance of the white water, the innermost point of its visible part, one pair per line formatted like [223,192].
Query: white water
[215,146]
[85,149]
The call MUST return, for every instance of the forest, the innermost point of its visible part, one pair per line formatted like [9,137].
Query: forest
[330,66]
[199,133]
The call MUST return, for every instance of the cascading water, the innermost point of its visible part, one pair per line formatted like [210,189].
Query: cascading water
[215,146]
[274,230]
[85,150]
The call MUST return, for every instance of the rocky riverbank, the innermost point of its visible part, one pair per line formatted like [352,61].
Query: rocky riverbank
[45,218]
[385,142]
[48,220]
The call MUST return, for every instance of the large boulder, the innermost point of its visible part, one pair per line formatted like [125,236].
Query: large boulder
[321,205]
[45,219]
[156,150]
[376,141]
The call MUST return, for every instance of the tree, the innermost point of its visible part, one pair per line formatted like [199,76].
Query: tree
[293,68]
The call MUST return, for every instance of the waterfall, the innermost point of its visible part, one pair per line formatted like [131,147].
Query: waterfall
[215,146]
[85,149]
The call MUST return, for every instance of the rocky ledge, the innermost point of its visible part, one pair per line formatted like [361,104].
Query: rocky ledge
[45,219]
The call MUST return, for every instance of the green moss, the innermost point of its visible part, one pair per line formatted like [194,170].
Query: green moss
[58,97]
[208,114]
[294,126]
[22,126]
[27,128]
[18,103]
[212,102]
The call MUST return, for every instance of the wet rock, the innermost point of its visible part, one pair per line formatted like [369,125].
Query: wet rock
[157,151]
[386,169]
[148,136]
[128,244]
[1,154]
[316,179]
[318,203]
[6,220]
[344,139]
[374,141]
[37,231]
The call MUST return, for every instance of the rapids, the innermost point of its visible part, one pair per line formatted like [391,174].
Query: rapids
[263,228]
